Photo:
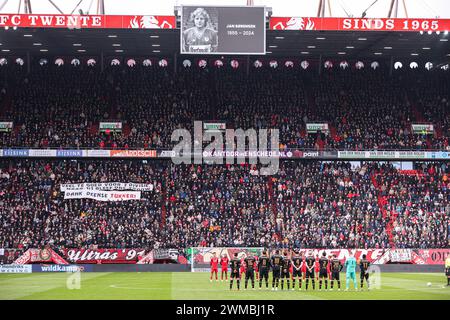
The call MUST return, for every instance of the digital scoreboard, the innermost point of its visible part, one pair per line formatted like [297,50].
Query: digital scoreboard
[223,30]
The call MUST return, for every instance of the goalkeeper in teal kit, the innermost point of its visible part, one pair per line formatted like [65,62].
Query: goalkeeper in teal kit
[350,264]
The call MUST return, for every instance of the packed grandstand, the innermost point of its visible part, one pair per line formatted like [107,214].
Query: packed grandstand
[307,204]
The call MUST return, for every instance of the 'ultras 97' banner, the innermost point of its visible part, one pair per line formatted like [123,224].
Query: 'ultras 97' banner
[223,30]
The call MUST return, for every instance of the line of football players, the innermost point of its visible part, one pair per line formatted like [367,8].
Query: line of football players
[296,267]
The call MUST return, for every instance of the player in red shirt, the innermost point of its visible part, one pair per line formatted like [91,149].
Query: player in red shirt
[330,259]
[242,269]
[224,266]
[214,263]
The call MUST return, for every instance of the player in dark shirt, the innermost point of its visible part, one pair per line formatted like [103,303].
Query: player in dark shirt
[297,264]
[310,262]
[335,267]
[276,261]
[323,270]
[285,271]
[235,265]
[364,265]
[249,263]
[264,267]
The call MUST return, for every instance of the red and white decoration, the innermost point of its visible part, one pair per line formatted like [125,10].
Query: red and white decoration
[163,63]
[359,65]
[147,63]
[304,64]
[343,65]
[59,62]
[328,64]
[131,63]
[289,64]
[234,64]
[257,64]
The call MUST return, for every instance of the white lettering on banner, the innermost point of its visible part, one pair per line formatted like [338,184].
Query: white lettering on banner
[107,186]
[103,195]
[42,153]
[110,125]
[314,127]
[98,153]
[14,268]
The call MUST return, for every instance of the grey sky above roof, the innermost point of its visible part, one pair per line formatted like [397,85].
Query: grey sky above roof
[304,8]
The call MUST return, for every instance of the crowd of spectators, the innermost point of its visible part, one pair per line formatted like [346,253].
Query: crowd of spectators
[329,205]
[307,204]
[418,204]
[365,109]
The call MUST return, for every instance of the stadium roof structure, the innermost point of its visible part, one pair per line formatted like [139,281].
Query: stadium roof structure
[129,42]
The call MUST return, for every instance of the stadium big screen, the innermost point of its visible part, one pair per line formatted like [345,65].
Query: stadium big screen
[222,30]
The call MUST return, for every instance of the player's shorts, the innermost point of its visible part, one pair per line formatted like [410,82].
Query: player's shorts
[323,274]
[224,269]
[335,275]
[310,274]
[351,275]
[249,274]
[285,274]
[235,274]
[264,273]
[276,273]
[296,273]
[215,270]
[447,272]
[364,275]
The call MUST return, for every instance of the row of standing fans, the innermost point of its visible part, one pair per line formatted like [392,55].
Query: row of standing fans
[202,63]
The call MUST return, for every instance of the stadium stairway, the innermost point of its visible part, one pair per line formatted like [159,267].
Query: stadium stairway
[273,204]
[5,106]
[382,201]
[126,130]
[163,206]
[333,132]
[93,129]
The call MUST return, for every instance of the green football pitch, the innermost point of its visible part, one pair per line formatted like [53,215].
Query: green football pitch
[193,286]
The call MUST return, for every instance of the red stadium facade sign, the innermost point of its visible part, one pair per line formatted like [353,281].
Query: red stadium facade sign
[80,256]
[87,21]
[358,24]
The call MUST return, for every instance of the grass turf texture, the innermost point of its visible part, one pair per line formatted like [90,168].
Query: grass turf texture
[196,286]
